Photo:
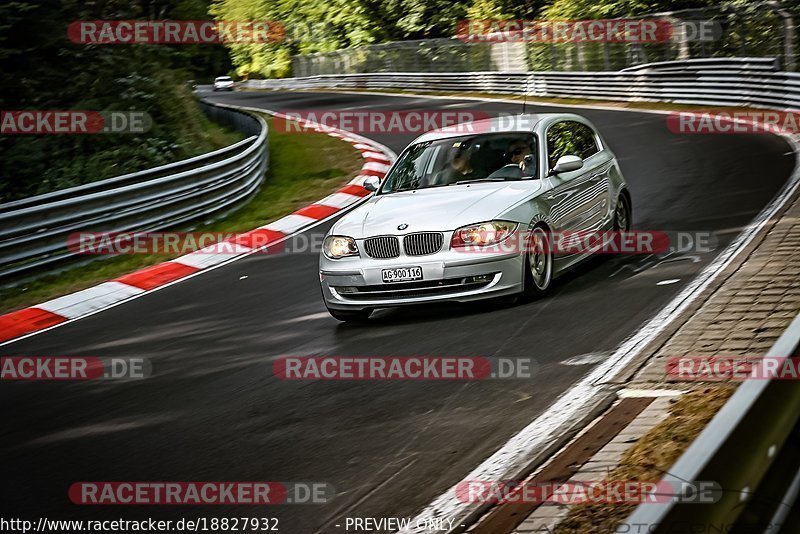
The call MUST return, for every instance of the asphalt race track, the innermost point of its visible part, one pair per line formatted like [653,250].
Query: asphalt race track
[214,411]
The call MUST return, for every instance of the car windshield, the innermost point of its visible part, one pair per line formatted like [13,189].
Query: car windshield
[224,79]
[461,160]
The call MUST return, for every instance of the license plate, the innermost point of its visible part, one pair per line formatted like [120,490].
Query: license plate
[402,274]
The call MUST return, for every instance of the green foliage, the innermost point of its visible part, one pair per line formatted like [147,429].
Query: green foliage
[318,26]
[327,25]
[327,164]
[505,9]
[42,69]
[605,9]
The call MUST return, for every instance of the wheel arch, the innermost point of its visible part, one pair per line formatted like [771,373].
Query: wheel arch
[627,196]
[535,223]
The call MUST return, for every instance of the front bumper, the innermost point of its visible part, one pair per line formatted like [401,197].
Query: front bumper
[356,283]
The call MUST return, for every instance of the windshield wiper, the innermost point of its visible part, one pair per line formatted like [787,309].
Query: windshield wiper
[462,182]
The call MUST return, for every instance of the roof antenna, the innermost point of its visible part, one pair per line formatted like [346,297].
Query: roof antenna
[525,96]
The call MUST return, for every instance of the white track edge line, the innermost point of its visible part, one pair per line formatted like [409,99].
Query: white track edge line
[187,277]
[389,153]
[618,359]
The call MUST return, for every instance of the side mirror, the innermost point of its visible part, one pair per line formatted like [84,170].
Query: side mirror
[372,183]
[566,164]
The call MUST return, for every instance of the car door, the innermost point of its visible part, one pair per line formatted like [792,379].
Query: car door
[598,164]
[578,199]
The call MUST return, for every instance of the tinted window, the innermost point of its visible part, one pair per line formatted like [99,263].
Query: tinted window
[570,138]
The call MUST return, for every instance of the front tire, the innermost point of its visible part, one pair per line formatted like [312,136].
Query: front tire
[350,316]
[538,275]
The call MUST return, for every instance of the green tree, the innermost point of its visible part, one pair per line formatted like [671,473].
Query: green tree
[43,69]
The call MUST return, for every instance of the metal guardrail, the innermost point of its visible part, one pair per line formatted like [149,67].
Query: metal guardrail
[714,82]
[751,448]
[34,231]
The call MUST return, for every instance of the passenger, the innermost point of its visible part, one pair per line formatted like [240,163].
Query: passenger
[459,169]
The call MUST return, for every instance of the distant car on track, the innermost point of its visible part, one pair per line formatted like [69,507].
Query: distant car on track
[440,226]
[223,83]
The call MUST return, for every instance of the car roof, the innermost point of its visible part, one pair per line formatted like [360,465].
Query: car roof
[508,123]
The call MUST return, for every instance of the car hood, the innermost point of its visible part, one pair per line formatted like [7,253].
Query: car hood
[434,209]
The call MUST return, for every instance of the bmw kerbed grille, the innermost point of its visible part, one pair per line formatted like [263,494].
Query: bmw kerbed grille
[414,289]
[423,243]
[382,247]
[418,244]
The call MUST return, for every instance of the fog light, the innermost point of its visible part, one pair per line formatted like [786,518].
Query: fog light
[346,290]
[480,278]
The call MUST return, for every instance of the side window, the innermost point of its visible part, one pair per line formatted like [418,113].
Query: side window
[570,138]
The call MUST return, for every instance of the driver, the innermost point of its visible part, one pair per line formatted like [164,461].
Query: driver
[517,150]
[520,165]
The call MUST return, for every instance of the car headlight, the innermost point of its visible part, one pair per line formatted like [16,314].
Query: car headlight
[483,234]
[339,246]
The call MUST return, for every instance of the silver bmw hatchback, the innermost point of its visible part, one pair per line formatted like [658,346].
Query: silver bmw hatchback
[469,212]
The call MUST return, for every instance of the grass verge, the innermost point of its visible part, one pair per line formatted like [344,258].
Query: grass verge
[38,164]
[650,457]
[303,168]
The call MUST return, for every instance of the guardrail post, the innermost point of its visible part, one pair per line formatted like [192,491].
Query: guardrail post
[789,60]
